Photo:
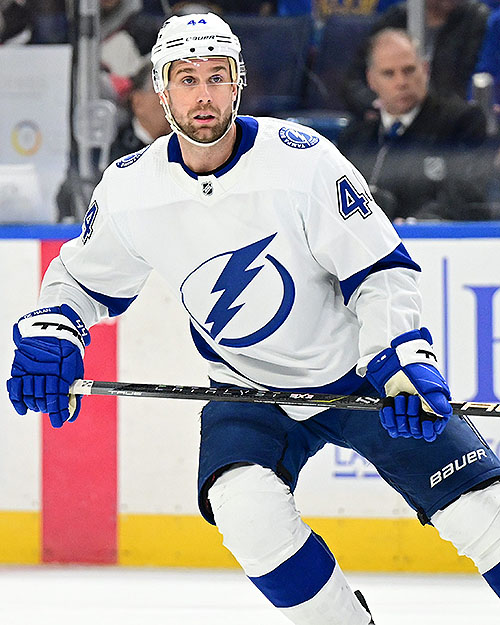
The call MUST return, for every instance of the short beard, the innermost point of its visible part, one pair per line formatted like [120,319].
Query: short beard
[216,132]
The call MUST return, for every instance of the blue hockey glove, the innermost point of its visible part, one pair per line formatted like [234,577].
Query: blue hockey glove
[417,396]
[49,357]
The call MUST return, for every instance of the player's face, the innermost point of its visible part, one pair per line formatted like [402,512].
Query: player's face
[398,76]
[201,96]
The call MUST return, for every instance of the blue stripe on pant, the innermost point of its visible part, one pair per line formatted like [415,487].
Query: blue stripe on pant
[299,578]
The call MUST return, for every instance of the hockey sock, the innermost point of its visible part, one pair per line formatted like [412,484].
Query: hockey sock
[256,514]
[493,578]
[310,588]
[300,577]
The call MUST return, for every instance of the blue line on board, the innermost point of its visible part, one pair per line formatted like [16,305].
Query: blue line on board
[44,232]
[450,230]
[421,230]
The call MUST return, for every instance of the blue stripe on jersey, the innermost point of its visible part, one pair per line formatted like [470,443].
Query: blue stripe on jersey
[347,384]
[249,127]
[300,577]
[115,305]
[204,348]
[175,155]
[398,258]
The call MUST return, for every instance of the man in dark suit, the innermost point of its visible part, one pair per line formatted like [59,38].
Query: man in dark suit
[454,33]
[420,153]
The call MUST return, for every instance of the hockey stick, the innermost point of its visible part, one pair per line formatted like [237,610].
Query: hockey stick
[201,393]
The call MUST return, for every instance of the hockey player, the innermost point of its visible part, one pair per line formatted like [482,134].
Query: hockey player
[292,278]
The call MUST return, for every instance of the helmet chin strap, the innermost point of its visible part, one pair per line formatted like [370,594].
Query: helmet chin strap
[178,130]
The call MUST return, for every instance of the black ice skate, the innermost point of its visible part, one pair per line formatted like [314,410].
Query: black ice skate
[362,600]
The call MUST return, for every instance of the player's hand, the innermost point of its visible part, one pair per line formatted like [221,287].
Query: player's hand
[403,415]
[49,358]
[418,398]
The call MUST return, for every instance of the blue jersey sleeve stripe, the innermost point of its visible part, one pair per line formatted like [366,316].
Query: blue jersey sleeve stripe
[115,305]
[398,258]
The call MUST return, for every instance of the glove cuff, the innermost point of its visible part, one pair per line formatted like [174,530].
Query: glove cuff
[53,322]
[422,333]
[408,348]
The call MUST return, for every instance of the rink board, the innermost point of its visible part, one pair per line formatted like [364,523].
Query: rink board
[119,485]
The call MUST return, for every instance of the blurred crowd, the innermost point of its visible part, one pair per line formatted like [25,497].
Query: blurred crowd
[418,119]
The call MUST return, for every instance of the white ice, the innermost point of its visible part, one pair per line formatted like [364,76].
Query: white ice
[63,595]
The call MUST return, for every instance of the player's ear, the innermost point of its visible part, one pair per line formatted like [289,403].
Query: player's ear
[234,89]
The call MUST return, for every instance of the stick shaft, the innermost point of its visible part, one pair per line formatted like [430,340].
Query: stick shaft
[285,398]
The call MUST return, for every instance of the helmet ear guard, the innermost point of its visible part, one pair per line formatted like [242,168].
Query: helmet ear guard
[199,36]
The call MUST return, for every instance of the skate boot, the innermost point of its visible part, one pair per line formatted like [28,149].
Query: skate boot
[361,599]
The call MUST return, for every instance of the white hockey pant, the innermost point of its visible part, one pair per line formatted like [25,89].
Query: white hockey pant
[472,524]
[255,513]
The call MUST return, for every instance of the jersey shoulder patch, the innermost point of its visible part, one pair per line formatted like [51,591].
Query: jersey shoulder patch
[298,139]
[130,159]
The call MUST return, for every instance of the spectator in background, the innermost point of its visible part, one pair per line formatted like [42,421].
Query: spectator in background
[143,122]
[37,21]
[290,8]
[247,7]
[146,121]
[186,8]
[127,36]
[160,8]
[284,8]
[419,155]
[453,38]
[325,8]
[243,7]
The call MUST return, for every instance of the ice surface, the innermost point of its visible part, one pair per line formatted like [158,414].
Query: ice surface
[63,595]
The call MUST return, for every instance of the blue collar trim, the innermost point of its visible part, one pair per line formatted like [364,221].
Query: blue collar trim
[249,128]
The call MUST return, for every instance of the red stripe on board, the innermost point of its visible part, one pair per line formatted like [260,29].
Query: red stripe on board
[79,463]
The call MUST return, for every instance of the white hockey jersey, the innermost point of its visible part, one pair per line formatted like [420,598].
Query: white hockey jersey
[289,272]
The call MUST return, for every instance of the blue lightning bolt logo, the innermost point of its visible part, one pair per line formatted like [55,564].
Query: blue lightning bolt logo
[233,280]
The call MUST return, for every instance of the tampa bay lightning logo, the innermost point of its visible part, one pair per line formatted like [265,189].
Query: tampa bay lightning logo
[294,138]
[130,159]
[250,299]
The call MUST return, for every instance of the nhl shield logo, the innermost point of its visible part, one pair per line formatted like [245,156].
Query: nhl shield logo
[207,188]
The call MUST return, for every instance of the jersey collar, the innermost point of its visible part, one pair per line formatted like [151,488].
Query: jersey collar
[249,127]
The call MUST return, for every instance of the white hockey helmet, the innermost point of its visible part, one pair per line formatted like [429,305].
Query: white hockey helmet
[196,36]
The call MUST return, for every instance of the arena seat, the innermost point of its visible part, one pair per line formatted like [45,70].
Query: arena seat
[323,107]
[276,51]
[338,44]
